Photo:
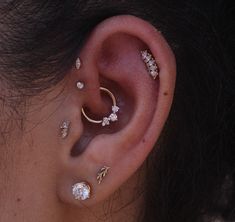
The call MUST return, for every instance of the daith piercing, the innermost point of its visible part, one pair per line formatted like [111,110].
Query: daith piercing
[150,63]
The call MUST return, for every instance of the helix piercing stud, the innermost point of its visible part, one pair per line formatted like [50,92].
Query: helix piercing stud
[81,191]
[102,174]
[64,127]
[78,63]
[150,63]
[113,117]
[80,85]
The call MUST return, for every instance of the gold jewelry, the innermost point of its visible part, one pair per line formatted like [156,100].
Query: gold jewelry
[150,63]
[64,129]
[102,173]
[106,120]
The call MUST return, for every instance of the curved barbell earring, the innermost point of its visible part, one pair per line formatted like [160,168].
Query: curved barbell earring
[113,117]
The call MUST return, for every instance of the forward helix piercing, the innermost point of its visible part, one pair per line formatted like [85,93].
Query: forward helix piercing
[81,191]
[78,63]
[106,120]
[102,174]
[64,129]
[150,63]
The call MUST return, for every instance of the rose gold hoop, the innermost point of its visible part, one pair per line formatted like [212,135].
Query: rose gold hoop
[106,120]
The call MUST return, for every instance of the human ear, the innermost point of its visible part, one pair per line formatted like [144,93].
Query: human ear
[111,58]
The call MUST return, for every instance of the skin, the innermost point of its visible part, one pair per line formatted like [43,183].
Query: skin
[37,169]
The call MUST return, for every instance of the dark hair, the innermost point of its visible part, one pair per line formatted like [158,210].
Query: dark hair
[193,173]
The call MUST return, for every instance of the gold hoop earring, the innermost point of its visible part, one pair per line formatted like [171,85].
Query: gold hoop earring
[106,120]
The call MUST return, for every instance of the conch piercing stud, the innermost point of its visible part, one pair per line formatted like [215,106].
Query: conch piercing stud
[150,63]
[78,63]
[81,191]
[112,117]
[64,127]
[102,174]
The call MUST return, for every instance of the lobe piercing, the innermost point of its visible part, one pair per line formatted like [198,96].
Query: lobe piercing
[150,63]
[81,191]
[106,120]
[78,63]
[65,129]
[102,174]
[80,85]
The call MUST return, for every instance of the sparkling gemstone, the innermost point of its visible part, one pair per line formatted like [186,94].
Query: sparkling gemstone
[80,85]
[106,121]
[148,58]
[65,125]
[113,117]
[151,62]
[153,68]
[78,63]
[81,191]
[144,54]
[115,109]
[154,74]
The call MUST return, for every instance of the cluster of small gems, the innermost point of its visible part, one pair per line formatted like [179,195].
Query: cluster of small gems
[64,129]
[151,64]
[81,191]
[112,117]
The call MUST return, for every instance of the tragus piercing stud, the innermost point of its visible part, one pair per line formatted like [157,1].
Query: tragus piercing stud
[81,191]
[150,63]
[64,127]
[78,63]
[106,120]
[102,174]
[80,85]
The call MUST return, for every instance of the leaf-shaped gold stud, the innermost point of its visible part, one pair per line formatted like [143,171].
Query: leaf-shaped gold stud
[102,173]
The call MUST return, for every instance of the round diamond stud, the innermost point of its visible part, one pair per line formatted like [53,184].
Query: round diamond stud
[80,85]
[113,117]
[81,191]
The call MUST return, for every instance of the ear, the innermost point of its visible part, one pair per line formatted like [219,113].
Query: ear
[111,57]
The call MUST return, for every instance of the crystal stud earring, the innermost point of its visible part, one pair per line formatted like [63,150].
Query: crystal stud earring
[81,191]
[150,63]
[80,85]
[64,127]
[78,63]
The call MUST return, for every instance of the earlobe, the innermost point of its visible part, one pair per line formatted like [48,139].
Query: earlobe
[128,69]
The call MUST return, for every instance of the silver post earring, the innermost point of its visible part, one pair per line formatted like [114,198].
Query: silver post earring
[150,63]
[113,117]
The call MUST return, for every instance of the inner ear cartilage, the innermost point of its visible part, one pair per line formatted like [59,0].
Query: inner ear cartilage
[150,63]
